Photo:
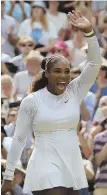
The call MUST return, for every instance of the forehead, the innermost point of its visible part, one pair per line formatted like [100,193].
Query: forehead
[61,63]
[26,42]
[6,83]
[37,8]
[53,2]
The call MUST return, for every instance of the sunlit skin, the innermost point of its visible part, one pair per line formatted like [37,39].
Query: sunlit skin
[33,66]
[58,77]
[7,89]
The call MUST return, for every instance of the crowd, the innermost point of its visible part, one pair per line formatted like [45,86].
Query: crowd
[30,31]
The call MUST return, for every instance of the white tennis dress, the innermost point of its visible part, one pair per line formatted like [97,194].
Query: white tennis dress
[56,159]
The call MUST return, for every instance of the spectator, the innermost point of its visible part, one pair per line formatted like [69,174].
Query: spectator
[4,59]
[102,109]
[7,88]
[75,44]
[89,100]
[103,38]
[20,10]
[97,125]
[18,178]
[103,101]
[59,19]
[61,47]
[23,79]
[3,150]
[100,152]
[102,16]
[67,6]
[85,8]
[38,27]
[63,34]
[98,6]
[11,122]
[100,86]
[25,45]
[99,11]
[8,32]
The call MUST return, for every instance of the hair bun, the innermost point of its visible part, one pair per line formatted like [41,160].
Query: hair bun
[43,63]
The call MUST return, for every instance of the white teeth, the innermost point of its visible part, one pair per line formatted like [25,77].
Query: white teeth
[62,82]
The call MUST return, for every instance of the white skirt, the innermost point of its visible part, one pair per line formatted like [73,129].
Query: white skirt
[55,161]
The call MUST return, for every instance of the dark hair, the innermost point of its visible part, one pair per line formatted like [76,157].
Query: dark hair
[41,80]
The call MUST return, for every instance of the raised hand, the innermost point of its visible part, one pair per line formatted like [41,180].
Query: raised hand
[77,20]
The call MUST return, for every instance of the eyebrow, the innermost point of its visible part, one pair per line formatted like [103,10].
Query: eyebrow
[60,68]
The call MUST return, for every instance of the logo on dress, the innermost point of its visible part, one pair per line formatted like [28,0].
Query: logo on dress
[66,101]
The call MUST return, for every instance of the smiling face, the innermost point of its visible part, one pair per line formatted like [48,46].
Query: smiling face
[58,75]
[37,12]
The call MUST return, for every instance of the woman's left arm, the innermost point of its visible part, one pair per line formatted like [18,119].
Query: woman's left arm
[81,85]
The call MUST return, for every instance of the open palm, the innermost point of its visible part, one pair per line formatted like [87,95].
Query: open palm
[79,21]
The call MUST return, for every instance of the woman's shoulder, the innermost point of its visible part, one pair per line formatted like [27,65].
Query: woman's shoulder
[33,97]
[30,102]
[26,21]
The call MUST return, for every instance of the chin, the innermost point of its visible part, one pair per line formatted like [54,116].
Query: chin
[59,92]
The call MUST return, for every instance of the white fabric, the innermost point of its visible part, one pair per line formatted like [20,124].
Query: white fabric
[56,159]
[22,81]
[7,142]
[19,62]
[7,22]
[60,20]
[26,29]
[5,58]
[10,129]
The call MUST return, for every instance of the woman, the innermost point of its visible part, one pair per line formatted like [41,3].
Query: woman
[7,88]
[38,27]
[55,166]
[60,47]
[24,45]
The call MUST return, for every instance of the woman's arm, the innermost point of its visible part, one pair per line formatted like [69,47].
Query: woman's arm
[81,85]
[23,127]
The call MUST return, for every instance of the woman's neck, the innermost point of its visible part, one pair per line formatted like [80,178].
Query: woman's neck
[37,19]
[33,73]
[53,12]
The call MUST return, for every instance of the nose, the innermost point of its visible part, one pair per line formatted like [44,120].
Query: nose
[62,75]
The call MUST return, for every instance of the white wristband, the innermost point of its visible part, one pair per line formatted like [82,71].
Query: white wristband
[89,34]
